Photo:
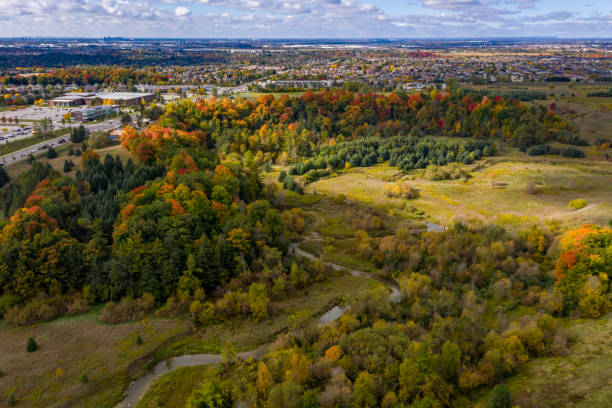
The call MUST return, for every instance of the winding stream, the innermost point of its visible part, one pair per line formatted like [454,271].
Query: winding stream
[139,387]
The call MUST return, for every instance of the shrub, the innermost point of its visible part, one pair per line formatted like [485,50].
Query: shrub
[530,188]
[436,173]
[4,178]
[84,379]
[98,140]
[542,150]
[42,309]
[7,301]
[31,346]
[282,176]
[128,309]
[402,190]
[68,166]
[573,153]
[139,340]
[51,153]
[577,204]
[11,400]
[500,397]
[340,198]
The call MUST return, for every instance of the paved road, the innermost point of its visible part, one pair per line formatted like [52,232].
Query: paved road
[24,153]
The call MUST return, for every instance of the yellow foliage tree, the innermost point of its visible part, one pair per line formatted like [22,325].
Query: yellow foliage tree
[334,353]
[264,379]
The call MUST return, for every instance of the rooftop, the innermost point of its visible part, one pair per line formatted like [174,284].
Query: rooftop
[121,95]
[68,98]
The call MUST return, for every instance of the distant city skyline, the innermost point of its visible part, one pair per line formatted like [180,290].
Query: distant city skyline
[306,18]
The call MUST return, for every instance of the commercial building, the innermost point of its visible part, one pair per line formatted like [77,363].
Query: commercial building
[94,112]
[95,99]
[119,98]
[68,100]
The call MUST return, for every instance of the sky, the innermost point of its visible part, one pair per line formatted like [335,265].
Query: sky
[306,18]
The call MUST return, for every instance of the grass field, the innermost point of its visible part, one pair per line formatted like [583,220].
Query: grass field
[495,193]
[581,379]
[70,348]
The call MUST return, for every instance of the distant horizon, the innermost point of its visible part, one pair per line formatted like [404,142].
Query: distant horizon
[483,38]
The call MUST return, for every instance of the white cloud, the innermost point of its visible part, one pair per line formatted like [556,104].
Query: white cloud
[181,11]
[293,18]
[450,4]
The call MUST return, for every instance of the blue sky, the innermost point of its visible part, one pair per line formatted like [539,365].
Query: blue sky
[306,18]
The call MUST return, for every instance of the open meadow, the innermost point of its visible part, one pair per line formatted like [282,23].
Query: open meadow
[80,362]
[511,192]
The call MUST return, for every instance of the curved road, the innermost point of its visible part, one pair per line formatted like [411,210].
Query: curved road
[139,388]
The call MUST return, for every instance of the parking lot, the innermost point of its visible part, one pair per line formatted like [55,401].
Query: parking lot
[32,113]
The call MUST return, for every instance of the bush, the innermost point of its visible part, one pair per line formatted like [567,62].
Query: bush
[98,140]
[42,309]
[51,153]
[4,178]
[530,188]
[402,190]
[128,309]
[573,153]
[577,204]
[7,301]
[500,397]
[11,400]
[84,379]
[542,150]
[31,346]
[68,166]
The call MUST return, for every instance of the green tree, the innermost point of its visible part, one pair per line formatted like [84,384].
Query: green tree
[285,395]
[212,393]
[499,397]
[258,300]
[51,153]
[4,177]
[449,360]
[364,393]
[31,346]
[68,165]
